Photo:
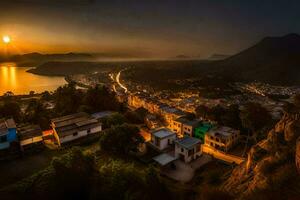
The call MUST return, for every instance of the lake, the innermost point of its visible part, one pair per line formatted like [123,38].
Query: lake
[18,81]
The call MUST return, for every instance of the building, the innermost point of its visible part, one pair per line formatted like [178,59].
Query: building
[169,114]
[201,130]
[162,138]
[75,126]
[187,148]
[183,126]
[30,136]
[8,133]
[151,121]
[222,138]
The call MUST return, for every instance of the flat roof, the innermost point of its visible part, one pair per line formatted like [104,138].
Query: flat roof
[222,131]
[67,125]
[164,159]
[188,142]
[185,121]
[163,133]
[26,131]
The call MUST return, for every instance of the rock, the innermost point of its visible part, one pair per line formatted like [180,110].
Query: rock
[265,157]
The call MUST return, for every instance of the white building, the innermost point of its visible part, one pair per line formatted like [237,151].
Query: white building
[188,149]
[162,138]
[72,127]
[222,138]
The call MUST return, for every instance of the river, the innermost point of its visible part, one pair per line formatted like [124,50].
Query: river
[18,81]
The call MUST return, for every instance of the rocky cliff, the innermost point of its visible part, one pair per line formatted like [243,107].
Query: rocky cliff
[270,167]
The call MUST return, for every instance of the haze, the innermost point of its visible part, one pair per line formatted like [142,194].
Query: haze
[143,28]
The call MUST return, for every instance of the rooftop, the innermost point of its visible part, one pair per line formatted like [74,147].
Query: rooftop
[163,133]
[188,142]
[185,121]
[164,159]
[28,131]
[67,125]
[222,131]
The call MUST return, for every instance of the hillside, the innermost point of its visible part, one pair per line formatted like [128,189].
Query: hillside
[55,68]
[274,59]
[270,171]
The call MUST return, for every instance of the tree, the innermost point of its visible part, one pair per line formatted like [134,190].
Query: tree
[231,117]
[11,108]
[121,139]
[72,174]
[113,120]
[37,113]
[100,98]
[67,99]
[202,111]
[254,117]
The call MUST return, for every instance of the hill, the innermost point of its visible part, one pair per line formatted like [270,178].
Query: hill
[273,60]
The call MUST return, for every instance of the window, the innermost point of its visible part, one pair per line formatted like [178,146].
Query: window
[3,138]
[76,133]
[182,149]
[89,131]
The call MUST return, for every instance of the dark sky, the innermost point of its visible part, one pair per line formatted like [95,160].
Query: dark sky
[150,28]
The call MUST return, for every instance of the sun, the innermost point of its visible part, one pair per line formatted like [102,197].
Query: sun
[6,39]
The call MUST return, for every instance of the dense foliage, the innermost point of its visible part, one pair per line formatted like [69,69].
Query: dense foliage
[121,139]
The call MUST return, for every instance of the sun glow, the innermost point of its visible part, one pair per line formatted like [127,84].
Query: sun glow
[6,39]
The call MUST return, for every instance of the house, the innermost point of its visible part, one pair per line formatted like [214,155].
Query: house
[151,121]
[187,149]
[8,133]
[183,126]
[170,113]
[201,130]
[75,126]
[30,136]
[222,138]
[162,138]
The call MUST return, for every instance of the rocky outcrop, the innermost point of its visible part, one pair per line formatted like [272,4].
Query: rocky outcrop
[267,160]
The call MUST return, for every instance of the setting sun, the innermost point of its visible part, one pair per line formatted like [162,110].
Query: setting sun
[6,39]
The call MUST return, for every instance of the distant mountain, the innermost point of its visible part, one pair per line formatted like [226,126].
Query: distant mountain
[182,56]
[274,59]
[58,68]
[218,57]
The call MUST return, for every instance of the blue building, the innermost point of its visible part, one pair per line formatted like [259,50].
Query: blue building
[8,133]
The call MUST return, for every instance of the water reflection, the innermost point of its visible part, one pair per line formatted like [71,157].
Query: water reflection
[17,80]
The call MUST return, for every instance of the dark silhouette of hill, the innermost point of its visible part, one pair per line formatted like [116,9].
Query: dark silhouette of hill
[274,60]
[218,57]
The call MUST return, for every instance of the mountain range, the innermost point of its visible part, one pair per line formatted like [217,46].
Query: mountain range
[273,59]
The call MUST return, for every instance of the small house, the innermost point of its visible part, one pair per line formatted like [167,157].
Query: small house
[30,136]
[201,130]
[8,133]
[188,149]
[162,138]
[75,126]
[222,138]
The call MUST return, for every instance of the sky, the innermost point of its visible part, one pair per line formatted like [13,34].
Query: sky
[144,28]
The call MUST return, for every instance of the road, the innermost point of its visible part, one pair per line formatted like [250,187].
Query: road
[222,156]
[119,83]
